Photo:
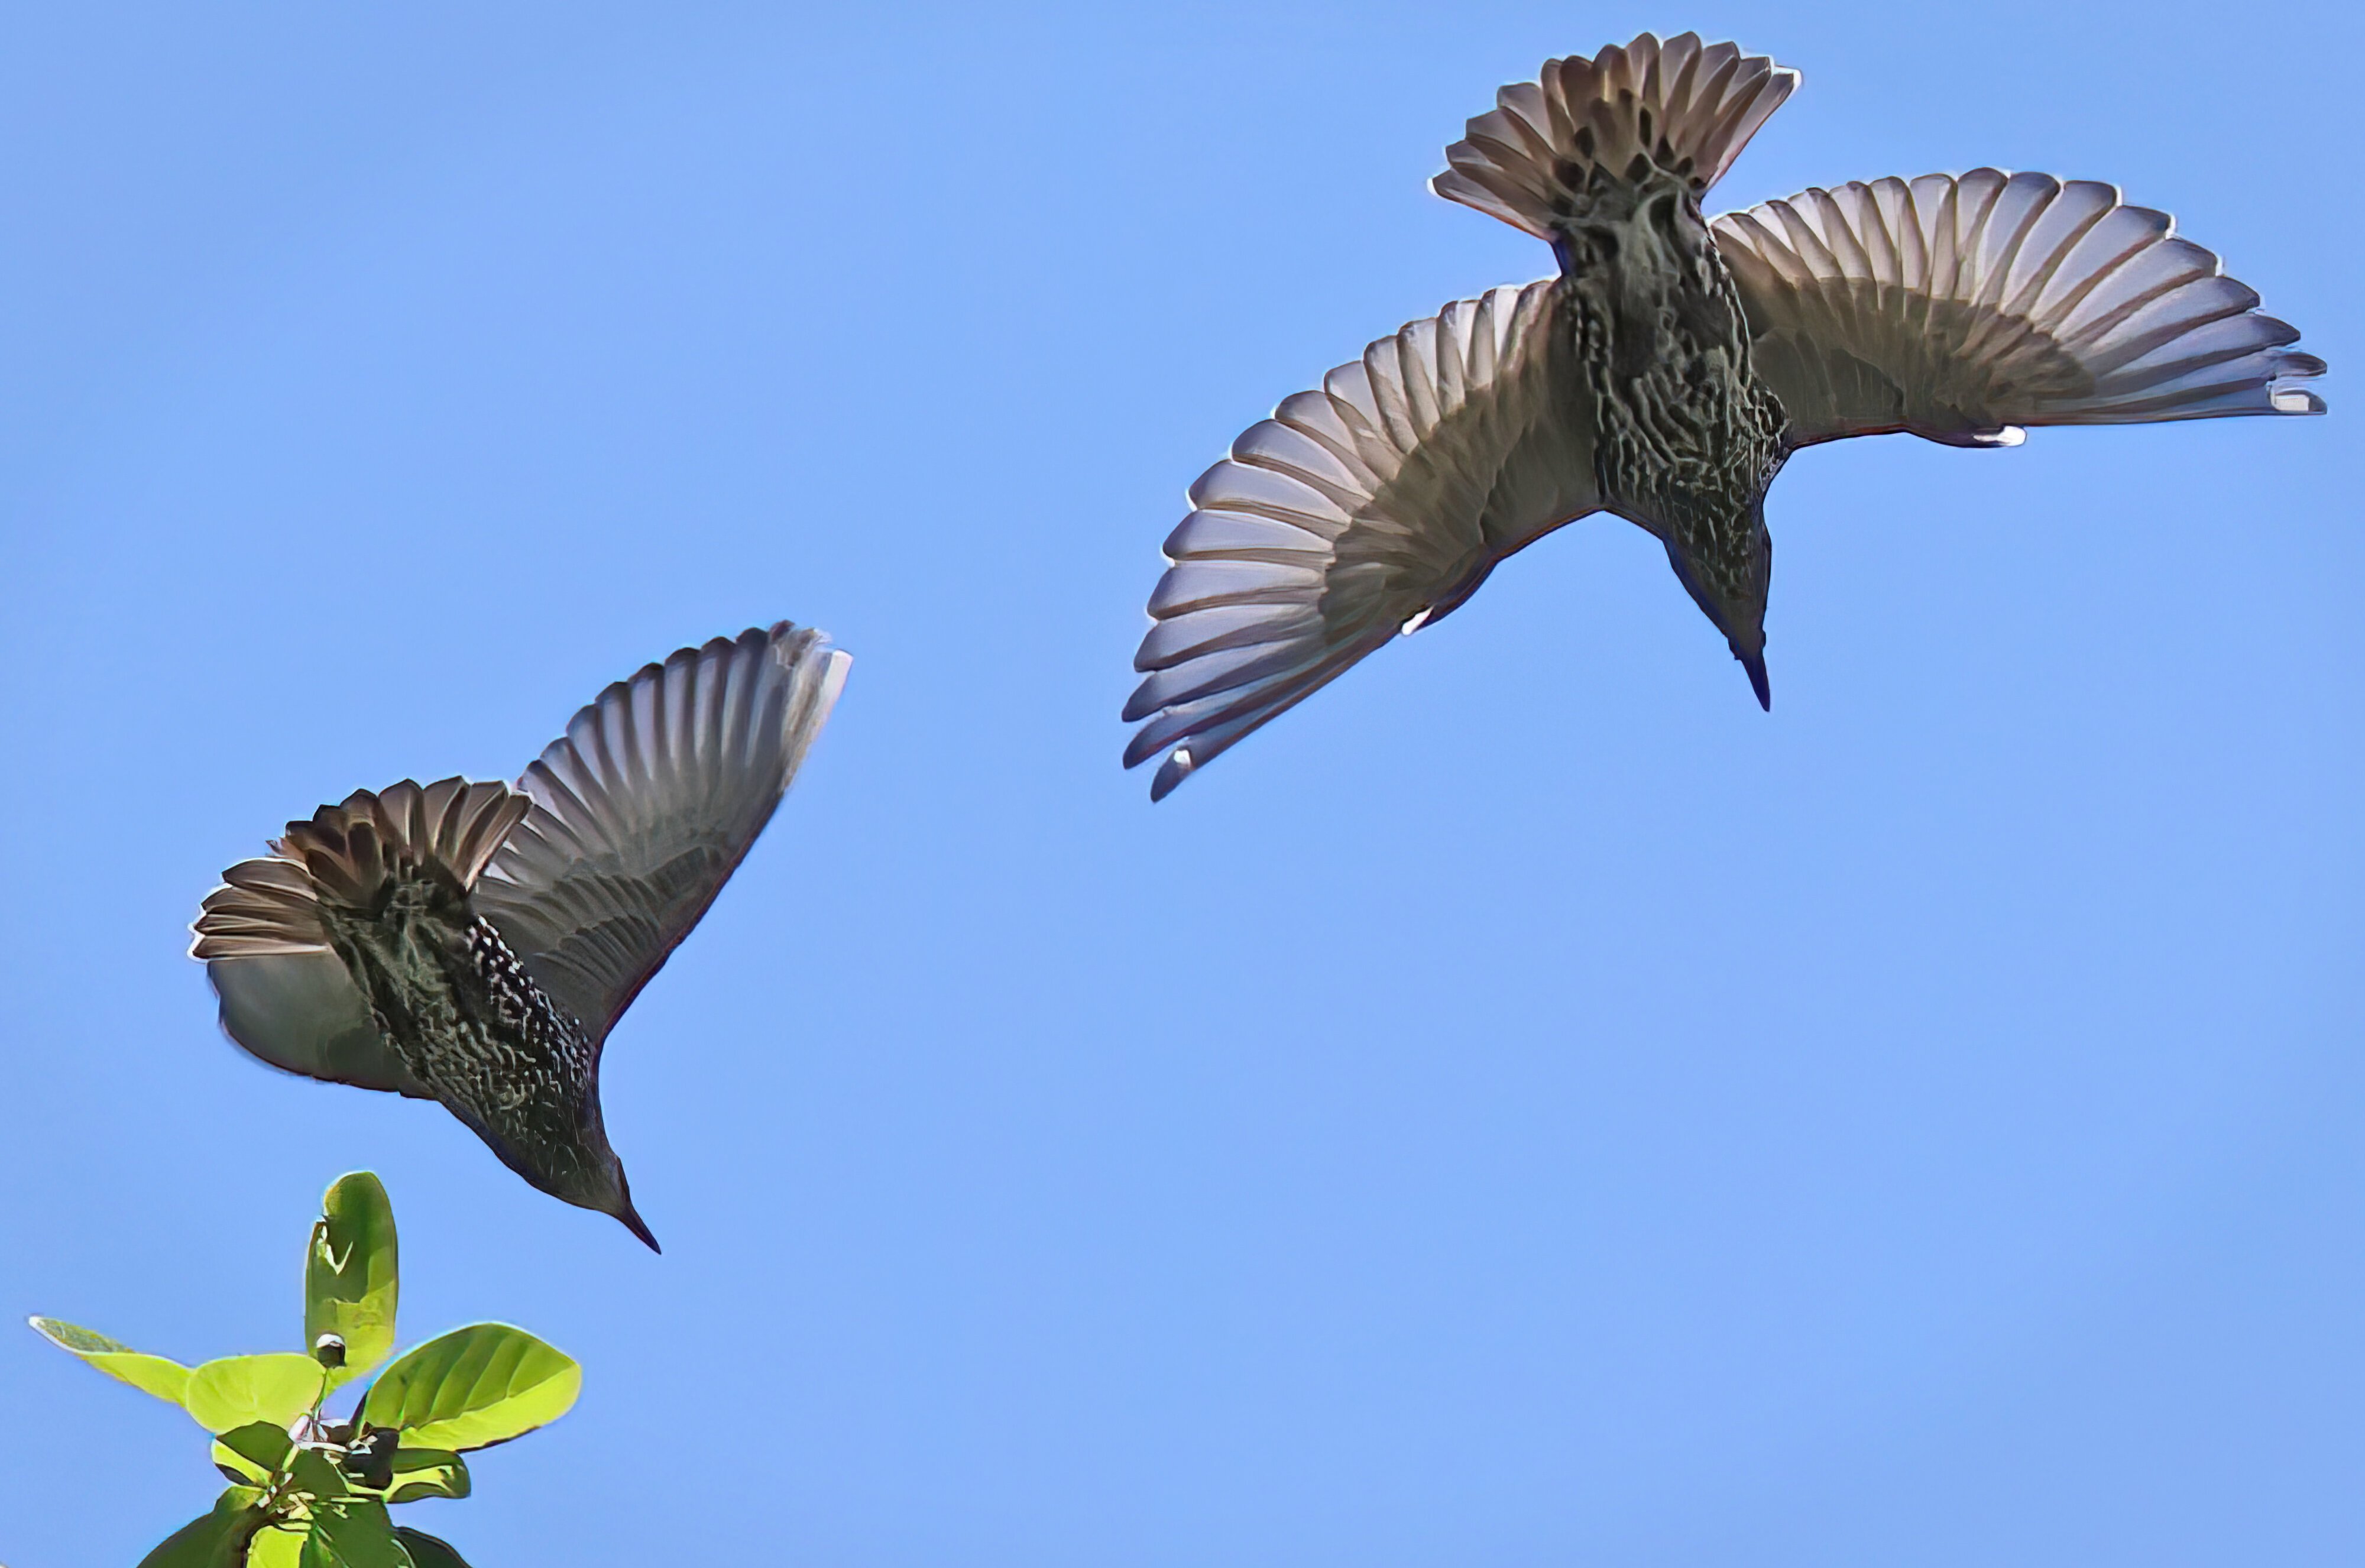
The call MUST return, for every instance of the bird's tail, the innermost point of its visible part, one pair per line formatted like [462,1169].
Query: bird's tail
[346,855]
[1680,107]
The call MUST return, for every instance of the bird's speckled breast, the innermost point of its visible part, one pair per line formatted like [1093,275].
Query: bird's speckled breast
[457,1006]
[1687,438]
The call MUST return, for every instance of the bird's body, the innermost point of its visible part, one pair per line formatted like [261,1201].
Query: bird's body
[474,944]
[461,1013]
[1686,436]
[1665,374]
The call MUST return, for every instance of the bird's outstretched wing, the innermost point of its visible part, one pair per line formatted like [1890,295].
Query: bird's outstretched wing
[1370,506]
[1962,308]
[646,805]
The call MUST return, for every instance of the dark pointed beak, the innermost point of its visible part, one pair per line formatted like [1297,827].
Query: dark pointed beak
[631,1217]
[1755,664]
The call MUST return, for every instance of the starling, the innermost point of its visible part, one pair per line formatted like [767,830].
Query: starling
[1664,375]
[473,943]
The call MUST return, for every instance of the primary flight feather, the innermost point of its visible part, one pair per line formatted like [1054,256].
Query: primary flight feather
[1664,375]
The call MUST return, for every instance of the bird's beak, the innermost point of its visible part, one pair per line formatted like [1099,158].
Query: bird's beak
[631,1217]
[1755,664]
[633,1221]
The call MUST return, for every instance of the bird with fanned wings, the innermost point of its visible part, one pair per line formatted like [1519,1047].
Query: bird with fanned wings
[1664,375]
[473,943]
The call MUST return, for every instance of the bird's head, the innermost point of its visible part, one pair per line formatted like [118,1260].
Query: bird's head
[1727,574]
[575,1165]
[616,1198]
[600,1183]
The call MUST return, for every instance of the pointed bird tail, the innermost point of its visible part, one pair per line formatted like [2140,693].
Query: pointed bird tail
[1681,107]
[346,856]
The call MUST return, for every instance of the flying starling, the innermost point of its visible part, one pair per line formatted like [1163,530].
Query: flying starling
[1665,374]
[473,943]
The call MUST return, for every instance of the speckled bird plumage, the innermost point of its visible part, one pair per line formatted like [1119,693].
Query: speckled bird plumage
[458,1008]
[1665,374]
[475,943]
[1686,437]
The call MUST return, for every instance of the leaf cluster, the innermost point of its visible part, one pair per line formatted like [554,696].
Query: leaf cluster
[308,1490]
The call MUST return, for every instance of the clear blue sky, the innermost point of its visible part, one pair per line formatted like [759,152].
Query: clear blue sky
[1526,1107]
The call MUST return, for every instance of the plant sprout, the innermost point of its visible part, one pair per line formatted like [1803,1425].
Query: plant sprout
[311,1489]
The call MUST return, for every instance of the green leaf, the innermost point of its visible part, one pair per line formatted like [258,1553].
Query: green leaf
[168,1381]
[318,1475]
[427,1473]
[281,1546]
[256,1450]
[353,1535]
[217,1541]
[260,1451]
[238,1471]
[350,1274]
[235,1390]
[474,1387]
[426,1552]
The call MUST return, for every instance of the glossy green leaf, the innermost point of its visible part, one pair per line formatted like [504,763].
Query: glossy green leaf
[427,1473]
[426,1552]
[235,1390]
[217,1540]
[237,1471]
[166,1380]
[281,1546]
[352,1274]
[353,1535]
[256,1450]
[474,1387]
[317,1475]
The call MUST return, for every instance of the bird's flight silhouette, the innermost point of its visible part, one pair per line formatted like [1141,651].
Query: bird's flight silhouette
[1664,375]
[473,943]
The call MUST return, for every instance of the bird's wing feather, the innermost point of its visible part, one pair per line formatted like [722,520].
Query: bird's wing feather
[1380,500]
[301,1013]
[647,804]
[286,997]
[1961,308]
[1681,106]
